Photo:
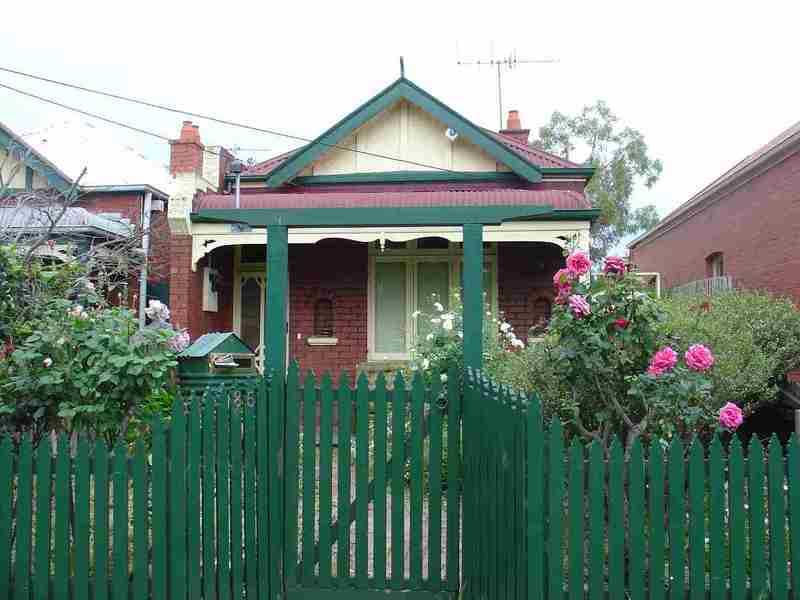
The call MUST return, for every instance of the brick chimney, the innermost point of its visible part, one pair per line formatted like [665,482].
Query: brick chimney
[514,127]
[186,153]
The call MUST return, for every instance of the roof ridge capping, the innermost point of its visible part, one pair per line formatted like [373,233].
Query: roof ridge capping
[744,167]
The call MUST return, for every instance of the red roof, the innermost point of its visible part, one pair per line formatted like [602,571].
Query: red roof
[558,199]
[540,158]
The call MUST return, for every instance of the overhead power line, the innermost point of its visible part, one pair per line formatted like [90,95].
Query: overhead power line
[198,116]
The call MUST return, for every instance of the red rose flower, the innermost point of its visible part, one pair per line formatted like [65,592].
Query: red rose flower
[622,323]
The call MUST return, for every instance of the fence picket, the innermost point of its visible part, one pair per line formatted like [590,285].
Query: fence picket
[43,515]
[453,473]
[379,502]
[250,557]
[417,406]
[535,498]
[159,514]
[101,511]
[696,536]
[794,511]
[576,521]
[777,508]
[435,485]
[362,481]
[736,519]
[755,500]
[325,478]
[655,582]
[119,551]
[636,521]
[616,522]
[344,399]
[81,529]
[555,488]
[61,518]
[223,557]
[207,490]
[716,522]
[235,438]
[264,469]
[177,496]
[140,523]
[309,476]
[6,494]
[596,521]
[677,519]
[398,480]
[193,475]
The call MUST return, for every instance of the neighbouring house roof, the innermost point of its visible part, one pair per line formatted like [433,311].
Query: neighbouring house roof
[558,199]
[110,164]
[74,219]
[524,160]
[787,140]
[34,159]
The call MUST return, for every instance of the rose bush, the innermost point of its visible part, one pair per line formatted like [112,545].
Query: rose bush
[606,369]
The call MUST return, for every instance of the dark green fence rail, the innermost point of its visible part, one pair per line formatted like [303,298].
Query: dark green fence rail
[665,522]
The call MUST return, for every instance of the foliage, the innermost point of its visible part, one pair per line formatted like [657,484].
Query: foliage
[621,160]
[755,336]
[85,370]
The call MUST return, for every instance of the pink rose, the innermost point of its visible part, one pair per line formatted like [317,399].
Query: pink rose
[578,262]
[662,361]
[730,416]
[562,280]
[579,306]
[614,265]
[622,323]
[698,358]
[563,296]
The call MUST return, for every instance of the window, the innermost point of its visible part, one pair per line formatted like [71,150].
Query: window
[414,278]
[323,318]
[715,265]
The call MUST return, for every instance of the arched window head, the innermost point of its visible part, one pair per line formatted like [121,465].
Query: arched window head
[323,318]
[715,265]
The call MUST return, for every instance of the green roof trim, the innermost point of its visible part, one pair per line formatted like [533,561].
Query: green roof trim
[215,342]
[402,89]
[373,216]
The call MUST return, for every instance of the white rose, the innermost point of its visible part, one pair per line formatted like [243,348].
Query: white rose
[438,306]
[415,314]
[429,337]
[444,377]
[436,320]
[447,324]
[504,327]
[47,362]
[518,343]
[426,363]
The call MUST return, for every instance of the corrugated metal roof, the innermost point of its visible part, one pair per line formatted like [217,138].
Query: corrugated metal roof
[558,199]
[36,218]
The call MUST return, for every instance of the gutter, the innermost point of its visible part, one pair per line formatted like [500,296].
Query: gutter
[143,188]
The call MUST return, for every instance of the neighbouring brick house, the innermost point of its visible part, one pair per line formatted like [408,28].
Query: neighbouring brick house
[740,230]
[373,212]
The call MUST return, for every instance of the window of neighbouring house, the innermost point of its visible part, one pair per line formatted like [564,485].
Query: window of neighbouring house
[414,278]
[715,265]
[323,318]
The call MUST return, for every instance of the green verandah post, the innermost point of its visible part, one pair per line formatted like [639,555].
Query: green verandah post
[473,295]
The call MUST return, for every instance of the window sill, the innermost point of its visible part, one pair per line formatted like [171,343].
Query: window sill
[322,341]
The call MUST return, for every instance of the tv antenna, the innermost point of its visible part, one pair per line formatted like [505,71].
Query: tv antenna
[510,62]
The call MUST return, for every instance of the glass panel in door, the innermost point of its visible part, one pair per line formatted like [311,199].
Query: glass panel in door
[251,312]
[433,285]
[390,308]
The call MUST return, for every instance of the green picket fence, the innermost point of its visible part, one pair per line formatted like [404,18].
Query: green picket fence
[667,522]
[181,516]
[377,504]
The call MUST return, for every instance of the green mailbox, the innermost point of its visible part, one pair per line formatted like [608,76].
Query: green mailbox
[216,358]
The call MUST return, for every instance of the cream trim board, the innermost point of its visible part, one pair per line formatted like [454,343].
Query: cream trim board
[208,236]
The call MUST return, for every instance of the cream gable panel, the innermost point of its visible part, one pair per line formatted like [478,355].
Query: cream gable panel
[409,133]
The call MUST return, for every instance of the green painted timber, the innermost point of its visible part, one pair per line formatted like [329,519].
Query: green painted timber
[755,498]
[372,216]
[277,295]
[473,295]
[119,552]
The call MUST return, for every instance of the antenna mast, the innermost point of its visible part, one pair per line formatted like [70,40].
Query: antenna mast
[509,62]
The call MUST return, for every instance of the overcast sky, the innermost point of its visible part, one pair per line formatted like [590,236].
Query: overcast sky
[706,82]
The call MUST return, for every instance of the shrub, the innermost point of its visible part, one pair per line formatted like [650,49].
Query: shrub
[755,336]
[91,370]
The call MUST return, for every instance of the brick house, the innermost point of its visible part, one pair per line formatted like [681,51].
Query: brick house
[741,230]
[375,212]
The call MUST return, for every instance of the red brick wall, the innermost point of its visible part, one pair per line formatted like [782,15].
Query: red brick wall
[525,274]
[755,227]
[336,270]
